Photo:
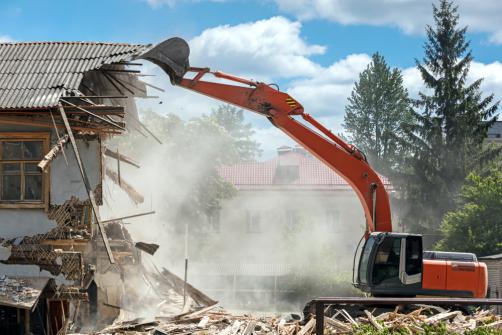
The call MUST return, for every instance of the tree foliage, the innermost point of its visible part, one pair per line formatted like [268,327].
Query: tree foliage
[232,120]
[451,123]
[476,226]
[377,107]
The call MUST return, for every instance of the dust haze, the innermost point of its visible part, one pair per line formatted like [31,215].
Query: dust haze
[301,245]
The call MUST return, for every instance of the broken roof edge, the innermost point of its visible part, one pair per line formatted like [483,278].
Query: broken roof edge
[37,284]
[76,42]
[37,74]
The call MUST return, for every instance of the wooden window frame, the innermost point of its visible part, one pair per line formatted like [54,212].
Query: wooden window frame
[45,137]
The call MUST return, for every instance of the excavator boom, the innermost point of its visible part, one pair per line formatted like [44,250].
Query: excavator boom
[390,263]
[280,108]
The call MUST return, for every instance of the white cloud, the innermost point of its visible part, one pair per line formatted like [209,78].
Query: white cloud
[6,39]
[409,15]
[273,50]
[262,49]
[265,50]
[326,93]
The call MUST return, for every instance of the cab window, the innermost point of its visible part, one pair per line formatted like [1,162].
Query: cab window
[413,255]
[387,260]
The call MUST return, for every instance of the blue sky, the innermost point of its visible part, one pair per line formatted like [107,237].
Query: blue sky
[313,48]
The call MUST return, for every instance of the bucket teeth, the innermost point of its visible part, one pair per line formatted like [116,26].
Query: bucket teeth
[171,55]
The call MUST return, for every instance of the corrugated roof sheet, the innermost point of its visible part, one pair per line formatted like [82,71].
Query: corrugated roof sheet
[312,174]
[36,75]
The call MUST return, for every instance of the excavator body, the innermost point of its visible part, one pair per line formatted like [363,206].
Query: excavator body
[390,264]
[394,264]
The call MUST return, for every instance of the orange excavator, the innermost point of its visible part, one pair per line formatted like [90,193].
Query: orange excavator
[389,264]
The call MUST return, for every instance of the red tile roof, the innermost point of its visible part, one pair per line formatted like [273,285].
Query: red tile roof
[312,174]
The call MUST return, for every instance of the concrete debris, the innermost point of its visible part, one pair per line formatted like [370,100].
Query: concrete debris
[215,320]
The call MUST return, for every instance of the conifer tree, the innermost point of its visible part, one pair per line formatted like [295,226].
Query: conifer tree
[452,119]
[377,107]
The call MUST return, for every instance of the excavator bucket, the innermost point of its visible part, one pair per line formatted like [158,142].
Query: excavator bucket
[171,55]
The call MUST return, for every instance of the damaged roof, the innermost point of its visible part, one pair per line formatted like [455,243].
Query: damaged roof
[37,74]
[21,292]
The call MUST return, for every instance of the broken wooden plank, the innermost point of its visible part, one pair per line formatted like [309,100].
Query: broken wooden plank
[87,185]
[199,312]
[496,324]
[122,157]
[56,149]
[179,284]
[337,324]
[94,115]
[307,328]
[149,248]
[128,217]
[249,327]
[59,137]
[135,196]
[373,321]
[442,316]
[348,317]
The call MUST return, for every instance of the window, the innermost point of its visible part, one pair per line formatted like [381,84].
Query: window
[413,255]
[213,220]
[253,222]
[364,261]
[22,184]
[495,135]
[387,260]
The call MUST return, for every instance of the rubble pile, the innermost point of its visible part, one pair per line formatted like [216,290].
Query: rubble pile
[215,320]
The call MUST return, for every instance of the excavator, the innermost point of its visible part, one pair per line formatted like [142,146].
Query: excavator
[389,264]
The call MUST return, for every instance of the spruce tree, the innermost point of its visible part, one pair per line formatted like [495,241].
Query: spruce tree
[377,107]
[452,119]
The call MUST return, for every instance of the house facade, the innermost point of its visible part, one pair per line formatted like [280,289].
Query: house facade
[291,215]
[59,103]
[495,133]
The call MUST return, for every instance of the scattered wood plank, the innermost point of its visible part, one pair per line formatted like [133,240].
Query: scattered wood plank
[207,321]
[373,321]
[149,248]
[249,327]
[87,185]
[308,327]
[121,157]
[135,196]
[53,153]
[179,284]
[442,316]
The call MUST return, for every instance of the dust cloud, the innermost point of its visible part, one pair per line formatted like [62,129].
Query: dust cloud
[256,250]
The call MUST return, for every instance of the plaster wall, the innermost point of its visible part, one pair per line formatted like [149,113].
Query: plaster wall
[65,181]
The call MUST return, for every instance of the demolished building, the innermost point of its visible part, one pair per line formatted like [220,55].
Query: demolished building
[59,102]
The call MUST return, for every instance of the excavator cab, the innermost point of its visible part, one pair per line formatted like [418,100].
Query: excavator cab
[391,264]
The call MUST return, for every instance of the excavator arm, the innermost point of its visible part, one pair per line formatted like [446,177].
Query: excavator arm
[282,110]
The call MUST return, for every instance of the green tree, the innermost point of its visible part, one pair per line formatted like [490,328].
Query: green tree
[451,123]
[476,226]
[232,120]
[377,107]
